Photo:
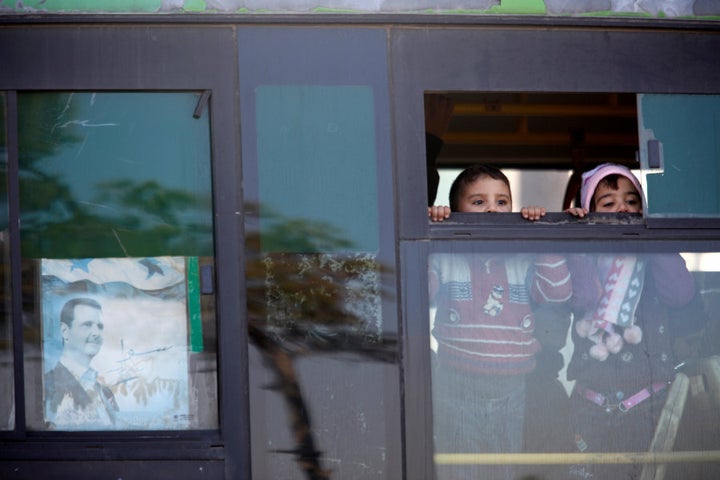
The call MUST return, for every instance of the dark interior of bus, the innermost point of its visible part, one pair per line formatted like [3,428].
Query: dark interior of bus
[540,130]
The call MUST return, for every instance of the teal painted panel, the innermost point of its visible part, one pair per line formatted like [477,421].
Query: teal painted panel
[688,127]
[317,168]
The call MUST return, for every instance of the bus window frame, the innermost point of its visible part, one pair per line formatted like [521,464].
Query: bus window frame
[107,59]
[507,58]
[510,59]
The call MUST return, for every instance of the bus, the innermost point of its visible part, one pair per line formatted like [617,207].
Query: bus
[218,261]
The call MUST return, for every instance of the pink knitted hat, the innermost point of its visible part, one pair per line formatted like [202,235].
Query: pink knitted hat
[591,179]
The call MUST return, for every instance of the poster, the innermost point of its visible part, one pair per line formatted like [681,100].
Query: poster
[115,343]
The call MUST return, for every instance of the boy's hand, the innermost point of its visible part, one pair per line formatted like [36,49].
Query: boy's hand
[577,211]
[532,213]
[438,213]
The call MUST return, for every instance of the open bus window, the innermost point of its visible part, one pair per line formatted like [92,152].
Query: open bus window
[523,364]
[545,141]
[537,139]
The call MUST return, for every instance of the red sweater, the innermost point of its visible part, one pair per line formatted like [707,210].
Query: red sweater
[484,321]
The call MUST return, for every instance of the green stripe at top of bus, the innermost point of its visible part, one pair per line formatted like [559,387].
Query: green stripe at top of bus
[662,9]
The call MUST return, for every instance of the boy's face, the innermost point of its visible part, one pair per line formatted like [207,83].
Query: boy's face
[624,199]
[485,195]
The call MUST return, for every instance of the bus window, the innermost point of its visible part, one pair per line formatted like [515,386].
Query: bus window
[514,372]
[119,324]
[679,152]
[670,141]
[537,139]
[584,358]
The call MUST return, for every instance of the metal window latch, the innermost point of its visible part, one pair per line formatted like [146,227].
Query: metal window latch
[655,154]
[201,104]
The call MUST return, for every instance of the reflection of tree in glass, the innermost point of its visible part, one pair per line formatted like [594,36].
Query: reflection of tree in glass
[300,235]
[172,220]
[308,303]
[39,114]
[126,219]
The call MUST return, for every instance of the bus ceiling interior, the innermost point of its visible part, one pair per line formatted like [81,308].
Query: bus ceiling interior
[546,134]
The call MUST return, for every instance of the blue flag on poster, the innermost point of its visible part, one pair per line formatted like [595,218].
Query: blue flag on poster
[115,343]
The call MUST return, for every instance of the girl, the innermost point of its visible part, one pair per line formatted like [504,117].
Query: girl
[622,361]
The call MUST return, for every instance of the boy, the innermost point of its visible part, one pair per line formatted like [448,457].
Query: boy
[622,361]
[484,328]
[481,189]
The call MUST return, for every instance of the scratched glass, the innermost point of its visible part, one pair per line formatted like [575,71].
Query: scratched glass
[578,379]
[7,393]
[320,314]
[117,261]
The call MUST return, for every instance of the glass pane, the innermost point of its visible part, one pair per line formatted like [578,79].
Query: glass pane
[315,284]
[316,152]
[579,364]
[117,250]
[679,149]
[7,393]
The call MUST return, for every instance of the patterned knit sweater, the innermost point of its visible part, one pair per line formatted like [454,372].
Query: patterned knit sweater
[484,321]
[668,286]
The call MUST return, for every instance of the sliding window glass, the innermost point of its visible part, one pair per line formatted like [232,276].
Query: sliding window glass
[117,261]
[679,153]
[582,362]
[320,254]
[7,417]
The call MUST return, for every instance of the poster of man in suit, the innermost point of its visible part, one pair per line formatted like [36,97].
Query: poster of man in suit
[115,344]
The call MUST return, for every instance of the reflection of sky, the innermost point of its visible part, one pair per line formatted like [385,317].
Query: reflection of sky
[128,136]
[317,159]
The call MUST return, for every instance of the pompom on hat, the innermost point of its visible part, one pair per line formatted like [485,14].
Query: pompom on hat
[592,178]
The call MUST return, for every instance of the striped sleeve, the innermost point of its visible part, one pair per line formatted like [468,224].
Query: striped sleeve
[551,282]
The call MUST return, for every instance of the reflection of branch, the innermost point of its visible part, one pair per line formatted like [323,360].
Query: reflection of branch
[281,362]
[279,347]
[310,292]
[308,338]
[117,237]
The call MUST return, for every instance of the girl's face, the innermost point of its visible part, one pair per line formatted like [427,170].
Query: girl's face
[624,199]
[485,194]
